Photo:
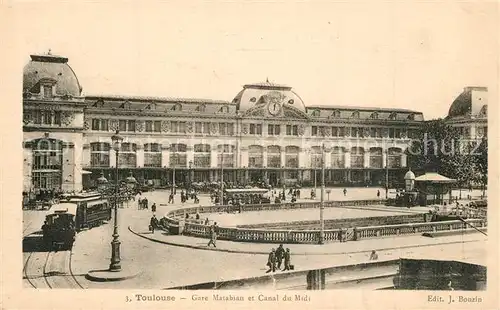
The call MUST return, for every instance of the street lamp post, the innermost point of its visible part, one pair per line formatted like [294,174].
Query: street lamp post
[322,204]
[386,174]
[221,198]
[190,179]
[173,177]
[115,243]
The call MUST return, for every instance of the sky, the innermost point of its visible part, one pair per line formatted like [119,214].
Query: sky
[401,54]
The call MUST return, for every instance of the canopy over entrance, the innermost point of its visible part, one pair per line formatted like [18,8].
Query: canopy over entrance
[434,177]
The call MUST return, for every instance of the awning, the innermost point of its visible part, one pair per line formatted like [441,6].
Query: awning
[434,177]
[86,172]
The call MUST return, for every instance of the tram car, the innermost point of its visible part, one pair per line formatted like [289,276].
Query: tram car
[73,214]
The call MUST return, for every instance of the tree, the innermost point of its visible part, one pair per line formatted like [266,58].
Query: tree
[440,148]
[480,157]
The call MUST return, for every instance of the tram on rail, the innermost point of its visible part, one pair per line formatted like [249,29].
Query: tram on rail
[73,214]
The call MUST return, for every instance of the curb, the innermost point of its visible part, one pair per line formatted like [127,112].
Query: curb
[295,253]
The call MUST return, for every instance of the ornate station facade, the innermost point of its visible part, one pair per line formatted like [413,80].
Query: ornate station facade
[266,133]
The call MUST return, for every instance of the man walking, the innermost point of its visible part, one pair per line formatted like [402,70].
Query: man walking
[287,260]
[213,235]
[153,223]
[280,252]
[153,207]
[271,262]
[345,191]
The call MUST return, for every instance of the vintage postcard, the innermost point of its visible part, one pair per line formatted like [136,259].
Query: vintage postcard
[250,154]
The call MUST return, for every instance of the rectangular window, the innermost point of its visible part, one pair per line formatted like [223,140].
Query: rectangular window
[47,118]
[182,127]
[198,127]
[206,128]
[131,126]
[373,132]
[256,129]
[273,130]
[149,126]
[391,132]
[95,124]
[222,128]
[341,132]
[122,125]
[314,131]
[47,91]
[57,118]
[104,124]
[291,130]
[230,129]
[157,126]
[397,133]
[335,131]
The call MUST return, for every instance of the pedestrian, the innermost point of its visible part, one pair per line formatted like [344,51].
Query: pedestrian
[45,230]
[373,255]
[145,203]
[271,261]
[287,260]
[345,191]
[213,235]
[153,207]
[197,215]
[206,221]
[171,197]
[153,223]
[378,193]
[280,253]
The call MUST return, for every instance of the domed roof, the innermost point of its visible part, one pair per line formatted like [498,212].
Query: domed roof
[261,93]
[472,102]
[409,175]
[53,68]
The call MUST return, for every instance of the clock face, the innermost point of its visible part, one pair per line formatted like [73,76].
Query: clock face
[274,108]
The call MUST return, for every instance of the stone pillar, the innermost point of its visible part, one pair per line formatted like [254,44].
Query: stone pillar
[140,155]
[303,160]
[213,158]
[68,168]
[112,158]
[27,168]
[86,155]
[264,157]
[403,160]
[283,157]
[384,158]
[472,132]
[244,158]
[328,158]
[165,156]
[347,159]
[245,181]
[366,160]
[189,155]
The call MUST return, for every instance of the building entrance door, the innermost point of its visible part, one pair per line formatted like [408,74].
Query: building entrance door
[273,178]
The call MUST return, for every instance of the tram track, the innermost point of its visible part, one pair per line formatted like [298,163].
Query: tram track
[49,270]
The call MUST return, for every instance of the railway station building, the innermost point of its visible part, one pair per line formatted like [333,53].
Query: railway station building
[265,133]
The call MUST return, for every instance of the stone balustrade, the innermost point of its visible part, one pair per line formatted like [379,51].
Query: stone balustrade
[197,228]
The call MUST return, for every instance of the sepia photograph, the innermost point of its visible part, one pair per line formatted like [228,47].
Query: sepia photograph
[254,151]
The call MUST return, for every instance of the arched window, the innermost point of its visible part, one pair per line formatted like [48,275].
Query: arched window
[202,155]
[355,114]
[274,156]
[376,160]
[127,158]
[393,116]
[357,157]
[338,157]
[47,164]
[316,157]
[178,155]
[394,157]
[411,116]
[152,155]
[255,156]
[336,114]
[374,115]
[292,157]
[316,113]
[177,107]
[99,154]
[201,108]
[225,157]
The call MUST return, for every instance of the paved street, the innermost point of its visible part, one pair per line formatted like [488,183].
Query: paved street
[166,266]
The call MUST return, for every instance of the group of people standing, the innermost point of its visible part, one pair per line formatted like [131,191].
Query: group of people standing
[276,259]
